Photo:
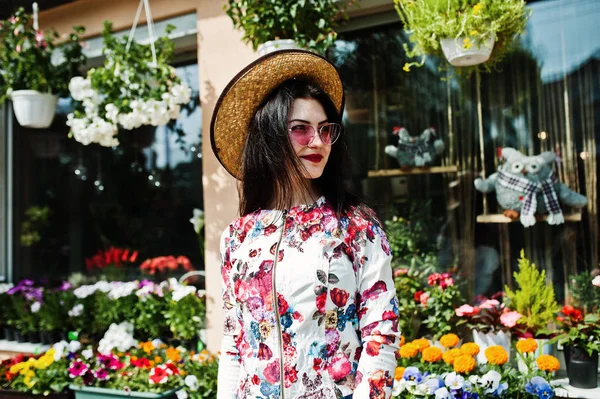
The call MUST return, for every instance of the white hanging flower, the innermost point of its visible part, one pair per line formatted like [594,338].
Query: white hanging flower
[112,112]
[181,93]
[123,290]
[182,291]
[81,88]
[596,281]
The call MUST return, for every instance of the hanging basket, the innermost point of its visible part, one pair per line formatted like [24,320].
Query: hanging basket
[275,45]
[34,109]
[458,55]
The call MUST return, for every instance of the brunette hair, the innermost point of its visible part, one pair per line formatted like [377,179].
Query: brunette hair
[270,167]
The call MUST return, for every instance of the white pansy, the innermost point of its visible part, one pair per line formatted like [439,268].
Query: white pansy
[443,393]
[35,307]
[596,281]
[157,342]
[192,382]
[117,336]
[76,311]
[59,349]
[454,381]
[182,394]
[490,381]
[84,291]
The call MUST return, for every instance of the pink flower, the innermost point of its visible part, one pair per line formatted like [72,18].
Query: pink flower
[18,48]
[400,272]
[13,20]
[39,36]
[77,369]
[423,298]
[596,281]
[509,319]
[339,367]
[490,303]
[272,372]
[466,310]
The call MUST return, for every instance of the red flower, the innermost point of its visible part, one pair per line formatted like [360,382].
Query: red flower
[321,299]
[568,310]
[264,352]
[339,297]
[255,379]
[142,362]
[417,296]
[159,375]
[174,370]
[373,348]
[291,374]
[282,304]
[270,229]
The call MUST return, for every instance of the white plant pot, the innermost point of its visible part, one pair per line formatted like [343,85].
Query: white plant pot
[275,45]
[458,55]
[490,339]
[34,109]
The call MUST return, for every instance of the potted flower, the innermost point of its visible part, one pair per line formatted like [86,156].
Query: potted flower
[41,376]
[26,299]
[185,312]
[5,312]
[284,24]
[27,74]
[149,319]
[148,370]
[201,371]
[113,264]
[491,323]
[534,300]
[164,267]
[466,32]
[135,87]
[580,337]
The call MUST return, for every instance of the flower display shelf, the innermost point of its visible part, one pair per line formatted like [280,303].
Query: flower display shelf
[105,393]
[564,390]
[414,171]
[22,347]
[12,394]
[500,218]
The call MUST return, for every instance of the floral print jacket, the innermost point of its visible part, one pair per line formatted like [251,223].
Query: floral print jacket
[317,320]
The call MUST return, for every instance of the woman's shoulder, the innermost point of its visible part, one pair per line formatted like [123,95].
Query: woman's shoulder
[362,217]
[240,225]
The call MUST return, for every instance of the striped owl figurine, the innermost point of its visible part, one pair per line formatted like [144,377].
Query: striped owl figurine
[527,185]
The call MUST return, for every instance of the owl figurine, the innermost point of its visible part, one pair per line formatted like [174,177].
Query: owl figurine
[415,151]
[527,185]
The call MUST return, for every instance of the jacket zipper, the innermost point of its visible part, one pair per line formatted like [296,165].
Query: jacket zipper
[276,307]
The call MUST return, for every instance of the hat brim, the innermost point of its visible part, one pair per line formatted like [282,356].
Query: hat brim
[241,98]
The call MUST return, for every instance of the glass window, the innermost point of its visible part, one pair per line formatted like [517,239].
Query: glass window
[543,97]
[71,201]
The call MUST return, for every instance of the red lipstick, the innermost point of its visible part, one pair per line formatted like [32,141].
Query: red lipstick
[316,158]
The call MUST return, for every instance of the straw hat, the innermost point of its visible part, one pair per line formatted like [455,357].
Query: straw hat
[247,90]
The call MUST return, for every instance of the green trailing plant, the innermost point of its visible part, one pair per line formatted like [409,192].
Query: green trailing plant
[36,220]
[474,21]
[534,299]
[585,294]
[26,57]
[311,23]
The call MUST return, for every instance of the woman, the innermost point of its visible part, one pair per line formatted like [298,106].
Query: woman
[308,292]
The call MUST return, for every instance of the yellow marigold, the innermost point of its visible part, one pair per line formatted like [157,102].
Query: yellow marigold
[15,368]
[399,373]
[409,350]
[173,354]
[547,363]
[402,340]
[527,345]
[496,355]
[158,359]
[450,355]
[449,340]
[147,347]
[432,354]
[477,8]
[27,380]
[422,343]
[134,358]
[470,348]
[464,364]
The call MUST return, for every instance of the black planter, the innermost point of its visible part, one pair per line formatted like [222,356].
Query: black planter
[34,337]
[20,337]
[9,333]
[11,394]
[582,369]
[47,337]
[2,332]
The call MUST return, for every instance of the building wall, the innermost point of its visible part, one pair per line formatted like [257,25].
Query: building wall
[216,68]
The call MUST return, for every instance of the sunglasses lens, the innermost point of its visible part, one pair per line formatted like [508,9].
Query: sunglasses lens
[330,133]
[303,134]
